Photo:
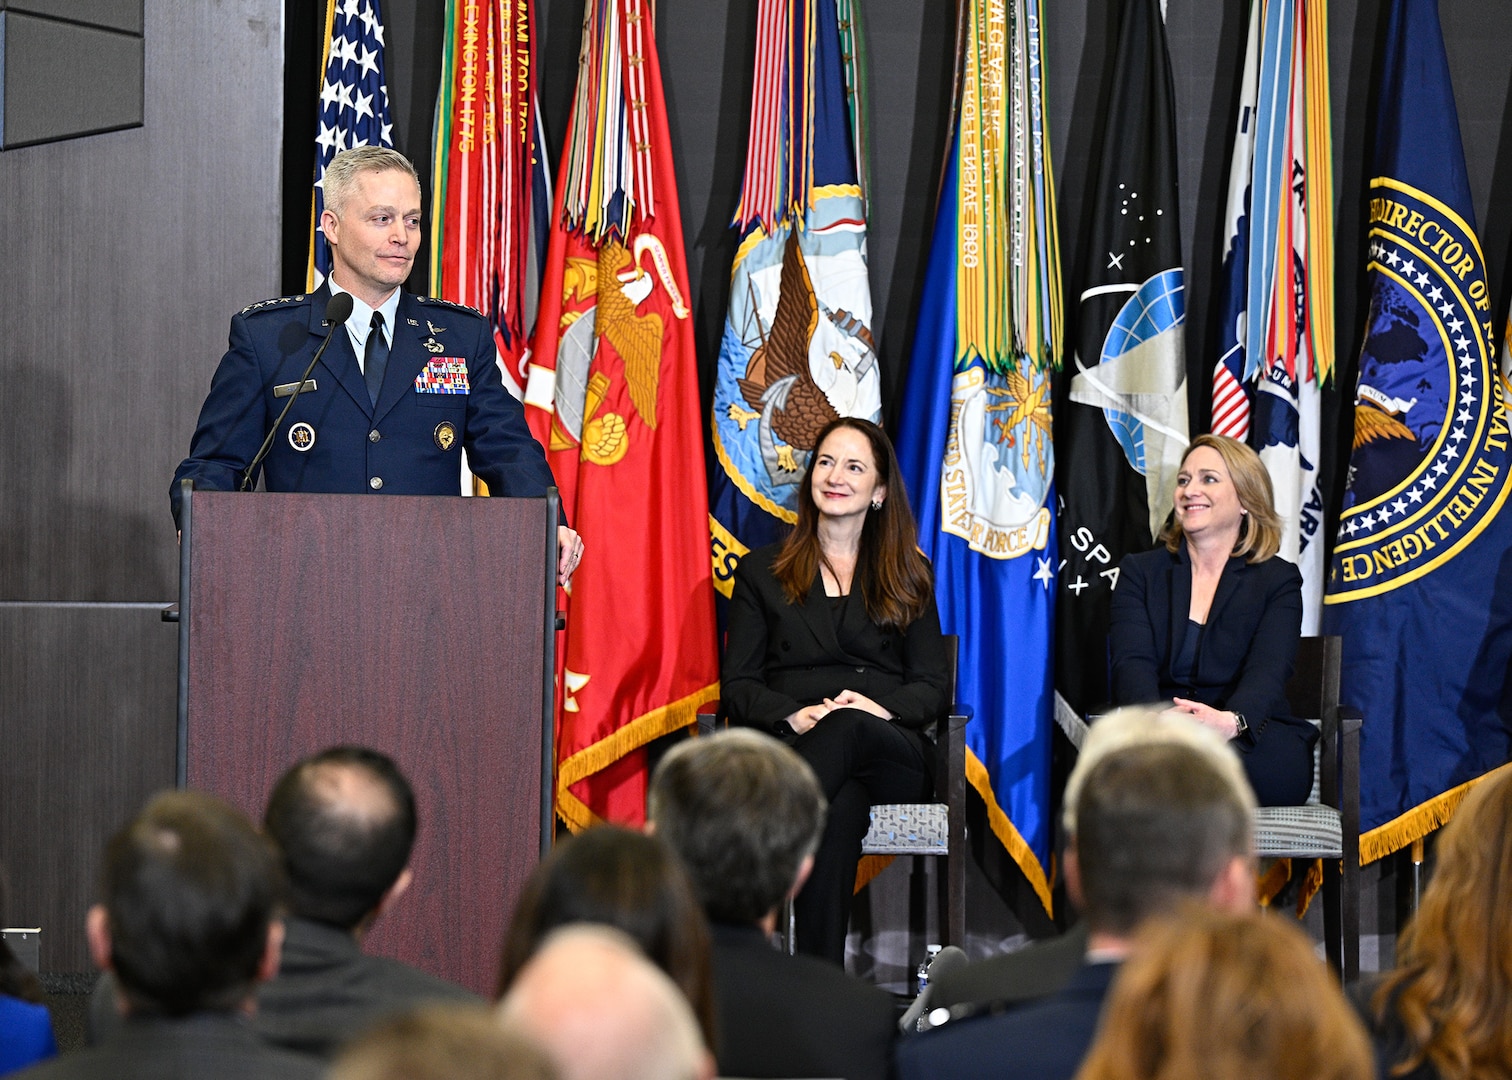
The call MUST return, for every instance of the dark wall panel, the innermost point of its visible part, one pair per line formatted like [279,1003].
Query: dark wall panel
[88,726]
[125,255]
[42,96]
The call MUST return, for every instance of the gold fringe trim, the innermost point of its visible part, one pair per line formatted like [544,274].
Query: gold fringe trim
[1417,822]
[1008,836]
[632,736]
[574,812]
[1312,881]
[1269,884]
[869,867]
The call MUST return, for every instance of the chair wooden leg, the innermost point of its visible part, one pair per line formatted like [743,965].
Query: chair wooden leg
[1349,888]
[1333,931]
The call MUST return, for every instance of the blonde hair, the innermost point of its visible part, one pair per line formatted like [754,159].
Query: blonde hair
[442,1042]
[1208,993]
[1452,988]
[340,179]
[1260,527]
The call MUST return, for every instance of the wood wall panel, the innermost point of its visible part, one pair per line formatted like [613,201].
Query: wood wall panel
[87,732]
[124,256]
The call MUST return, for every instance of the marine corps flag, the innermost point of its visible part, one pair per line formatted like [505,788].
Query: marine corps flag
[1121,405]
[1421,581]
[975,450]
[613,395]
[797,350]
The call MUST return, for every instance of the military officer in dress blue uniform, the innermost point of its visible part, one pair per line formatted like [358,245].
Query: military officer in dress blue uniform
[400,392]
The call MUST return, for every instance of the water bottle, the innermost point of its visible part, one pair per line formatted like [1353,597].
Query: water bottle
[922,974]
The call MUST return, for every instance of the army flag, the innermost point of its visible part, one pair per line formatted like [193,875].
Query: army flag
[975,447]
[1277,292]
[354,104]
[1121,405]
[485,160]
[797,349]
[1420,584]
[612,394]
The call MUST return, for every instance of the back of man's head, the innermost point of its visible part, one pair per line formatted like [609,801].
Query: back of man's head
[744,812]
[190,889]
[442,1042]
[345,822]
[1157,822]
[602,1011]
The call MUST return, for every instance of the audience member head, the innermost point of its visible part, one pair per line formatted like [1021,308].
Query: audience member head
[16,980]
[189,898]
[450,1042]
[1453,981]
[345,822]
[745,813]
[1209,993]
[623,879]
[1260,525]
[602,1011]
[1157,822]
[1140,724]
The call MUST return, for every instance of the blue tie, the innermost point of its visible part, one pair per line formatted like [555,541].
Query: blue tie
[375,358]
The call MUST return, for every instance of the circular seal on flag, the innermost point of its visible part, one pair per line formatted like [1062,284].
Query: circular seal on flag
[302,436]
[445,435]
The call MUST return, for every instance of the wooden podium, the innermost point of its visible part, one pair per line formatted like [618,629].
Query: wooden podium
[420,626]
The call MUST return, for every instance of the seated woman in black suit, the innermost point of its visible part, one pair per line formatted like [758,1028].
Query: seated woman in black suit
[834,646]
[1210,620]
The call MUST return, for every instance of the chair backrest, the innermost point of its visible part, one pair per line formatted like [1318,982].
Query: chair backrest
[1314,686]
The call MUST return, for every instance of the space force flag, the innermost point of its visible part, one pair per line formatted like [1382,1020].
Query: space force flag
[1276,293]
[975,447]
[354,105]
[1121,406]
[612,394]
[1421,572]
[797,349]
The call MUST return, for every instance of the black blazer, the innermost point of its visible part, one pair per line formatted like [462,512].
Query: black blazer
[1249,643]
[780,657]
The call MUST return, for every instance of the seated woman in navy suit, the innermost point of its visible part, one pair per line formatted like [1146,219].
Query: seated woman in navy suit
[834,646]
[1210,620]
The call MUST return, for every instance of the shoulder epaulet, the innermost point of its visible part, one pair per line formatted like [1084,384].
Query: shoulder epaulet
[436,301]
[279,301]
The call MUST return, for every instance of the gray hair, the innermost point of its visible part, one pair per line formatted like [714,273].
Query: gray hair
[340,179]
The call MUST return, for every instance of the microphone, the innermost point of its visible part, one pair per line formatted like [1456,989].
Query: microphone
[948,959]
[338,311]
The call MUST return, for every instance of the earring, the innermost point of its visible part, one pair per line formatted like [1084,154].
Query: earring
[876,504]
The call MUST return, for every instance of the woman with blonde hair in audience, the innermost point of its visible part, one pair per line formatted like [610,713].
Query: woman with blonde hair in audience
[1206,994]
[1445,1012]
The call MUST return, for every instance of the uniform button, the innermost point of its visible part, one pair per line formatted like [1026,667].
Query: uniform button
[860,671]
[373,435]
[376,483]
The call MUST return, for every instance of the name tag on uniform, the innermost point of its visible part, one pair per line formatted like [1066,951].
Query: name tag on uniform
[443,375]
[288,389]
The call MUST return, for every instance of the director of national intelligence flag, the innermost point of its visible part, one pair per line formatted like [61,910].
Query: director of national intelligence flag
[1421,581]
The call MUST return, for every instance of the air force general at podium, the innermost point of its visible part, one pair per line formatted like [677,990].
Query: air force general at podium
[436,387]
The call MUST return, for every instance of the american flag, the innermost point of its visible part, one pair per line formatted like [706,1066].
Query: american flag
[354,103]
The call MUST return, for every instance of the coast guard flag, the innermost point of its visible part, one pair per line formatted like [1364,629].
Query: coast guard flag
[612,394]
[1276,294]
[797,350]
[354,105]
[975,448]
[1421,581]
[1121,425]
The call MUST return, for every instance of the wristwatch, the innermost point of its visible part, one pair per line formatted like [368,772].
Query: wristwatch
[1241,725]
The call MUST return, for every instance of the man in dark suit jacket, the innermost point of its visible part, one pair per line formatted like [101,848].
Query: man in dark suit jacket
[1156,821]
[392,403]
[744,813]
[344,821]
[186,924]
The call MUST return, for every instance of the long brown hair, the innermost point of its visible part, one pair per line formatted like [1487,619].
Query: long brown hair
[892,573]
[1452,989]
[1207,993]
[1260,527]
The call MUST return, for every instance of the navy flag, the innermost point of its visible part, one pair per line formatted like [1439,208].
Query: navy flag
[1420,585]
[1121,406]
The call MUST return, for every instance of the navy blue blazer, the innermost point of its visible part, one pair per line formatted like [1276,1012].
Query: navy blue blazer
[333,438]
[1247,652]
[781,656]
[1045,1040]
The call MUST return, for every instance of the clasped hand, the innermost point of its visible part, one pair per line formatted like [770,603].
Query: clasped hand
[1224,723]
[806,717]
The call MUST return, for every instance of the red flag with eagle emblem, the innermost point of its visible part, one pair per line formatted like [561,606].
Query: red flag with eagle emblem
[612,393]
